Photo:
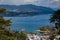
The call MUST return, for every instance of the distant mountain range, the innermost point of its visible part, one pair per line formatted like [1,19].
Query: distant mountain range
[26,10]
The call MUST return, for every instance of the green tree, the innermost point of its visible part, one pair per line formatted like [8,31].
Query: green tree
[4,23]
[55,19]
[22,36]
[51,37]
[2,10]
[45,28]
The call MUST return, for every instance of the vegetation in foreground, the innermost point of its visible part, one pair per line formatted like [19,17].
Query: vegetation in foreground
[7,34]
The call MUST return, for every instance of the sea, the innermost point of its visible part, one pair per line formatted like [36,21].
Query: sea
[29,23]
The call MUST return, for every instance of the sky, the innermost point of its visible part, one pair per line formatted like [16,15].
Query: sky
[47,3]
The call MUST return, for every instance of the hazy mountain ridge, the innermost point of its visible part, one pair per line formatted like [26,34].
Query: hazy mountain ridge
[26,10]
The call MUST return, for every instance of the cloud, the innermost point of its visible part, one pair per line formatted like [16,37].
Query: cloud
[48,3]
[12,2]
[29,0]
[56,0]
[1,1]
[16,2]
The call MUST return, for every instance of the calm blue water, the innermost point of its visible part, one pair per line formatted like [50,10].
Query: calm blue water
[30,24]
